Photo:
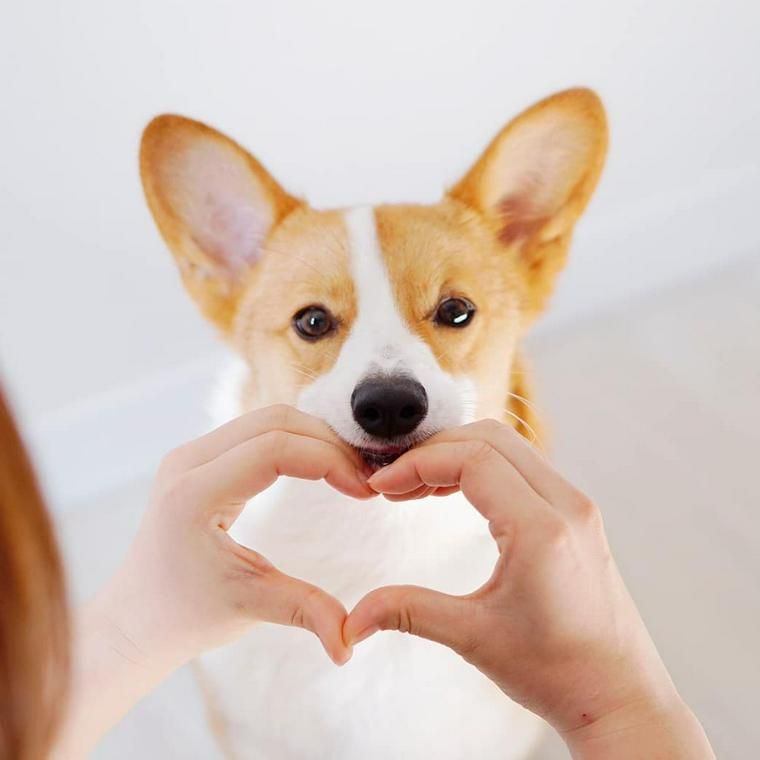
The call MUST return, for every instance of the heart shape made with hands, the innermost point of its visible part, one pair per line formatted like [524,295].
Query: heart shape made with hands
[298,445]
[559,575]
[216,475]
[204,485]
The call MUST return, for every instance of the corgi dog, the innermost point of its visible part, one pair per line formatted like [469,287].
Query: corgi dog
[390,323]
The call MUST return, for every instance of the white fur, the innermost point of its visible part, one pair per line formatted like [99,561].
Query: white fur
[399,697]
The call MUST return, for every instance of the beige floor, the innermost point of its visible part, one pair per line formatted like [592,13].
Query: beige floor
[655,411]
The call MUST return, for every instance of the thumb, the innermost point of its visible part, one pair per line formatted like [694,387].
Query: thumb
[412,609]
[306,606]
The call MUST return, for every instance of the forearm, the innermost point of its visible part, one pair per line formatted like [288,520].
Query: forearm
[644,732]
[112,672]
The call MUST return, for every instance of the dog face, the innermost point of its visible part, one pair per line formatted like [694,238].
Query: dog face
[391,322]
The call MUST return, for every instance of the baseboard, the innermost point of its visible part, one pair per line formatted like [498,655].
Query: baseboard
[120,436]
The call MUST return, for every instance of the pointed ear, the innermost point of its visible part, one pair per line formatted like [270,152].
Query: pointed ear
[536,177]
[214,205]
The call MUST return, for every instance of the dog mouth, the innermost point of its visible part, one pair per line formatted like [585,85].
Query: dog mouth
[381,456]
[380,453]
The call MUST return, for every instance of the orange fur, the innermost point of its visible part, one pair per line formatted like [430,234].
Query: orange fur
[445,250]
[306,262]
[499,237]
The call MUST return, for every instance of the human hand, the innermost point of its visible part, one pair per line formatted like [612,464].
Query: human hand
[186,585]
[554,627]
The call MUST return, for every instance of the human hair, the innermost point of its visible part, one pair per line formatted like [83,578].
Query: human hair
[34,621]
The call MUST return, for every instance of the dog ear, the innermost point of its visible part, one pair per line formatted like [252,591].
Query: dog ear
[535,179]
[214,205]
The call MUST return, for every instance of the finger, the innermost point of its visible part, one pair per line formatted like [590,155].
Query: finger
[421,492]
[526,459]
[297,603]
[412,609]
[252,424]
[227,482]
[489,481]
[445,491]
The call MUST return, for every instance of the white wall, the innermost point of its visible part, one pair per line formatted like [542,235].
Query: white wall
[344,102]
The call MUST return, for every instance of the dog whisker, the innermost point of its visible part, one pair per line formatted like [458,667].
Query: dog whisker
[303,371]
[522,400]
[534,439]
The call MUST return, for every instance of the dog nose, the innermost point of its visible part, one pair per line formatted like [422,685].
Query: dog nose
[387,407]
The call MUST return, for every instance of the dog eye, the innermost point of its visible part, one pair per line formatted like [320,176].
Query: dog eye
[454,312]
[313,322]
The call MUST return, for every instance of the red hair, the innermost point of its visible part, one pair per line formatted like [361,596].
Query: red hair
[34,623]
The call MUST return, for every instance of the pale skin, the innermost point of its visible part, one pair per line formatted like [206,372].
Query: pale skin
[554,626]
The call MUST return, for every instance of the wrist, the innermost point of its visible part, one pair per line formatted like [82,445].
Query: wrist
[135,623]
[119,657]
[656,725]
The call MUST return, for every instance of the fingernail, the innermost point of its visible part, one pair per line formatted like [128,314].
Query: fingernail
[367,491]
[342,659]
[378,474]
[365,634]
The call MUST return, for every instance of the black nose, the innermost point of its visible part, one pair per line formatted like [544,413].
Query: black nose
[387,407]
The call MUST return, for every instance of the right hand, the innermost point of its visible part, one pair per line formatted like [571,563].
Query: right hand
[554,627]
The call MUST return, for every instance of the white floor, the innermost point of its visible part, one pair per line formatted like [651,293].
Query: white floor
[655,411]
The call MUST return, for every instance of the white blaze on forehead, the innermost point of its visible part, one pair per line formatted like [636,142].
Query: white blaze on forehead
[381,343]
[378,319]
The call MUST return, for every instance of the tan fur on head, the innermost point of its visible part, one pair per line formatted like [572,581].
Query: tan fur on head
[251,255]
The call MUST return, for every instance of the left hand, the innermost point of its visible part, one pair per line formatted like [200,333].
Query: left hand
[186,585]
